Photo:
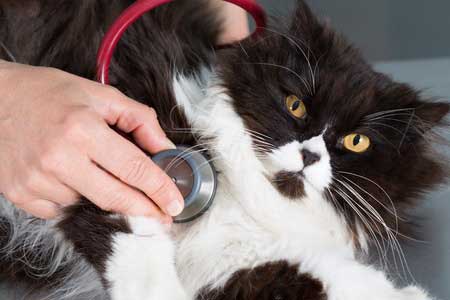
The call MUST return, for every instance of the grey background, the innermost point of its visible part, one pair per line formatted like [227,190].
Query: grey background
[429,260]
[412,38]
[385,29]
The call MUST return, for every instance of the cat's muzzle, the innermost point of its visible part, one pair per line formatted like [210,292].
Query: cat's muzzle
[195,177]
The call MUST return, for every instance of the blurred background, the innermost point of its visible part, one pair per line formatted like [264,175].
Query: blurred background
[410,40]
[385,29]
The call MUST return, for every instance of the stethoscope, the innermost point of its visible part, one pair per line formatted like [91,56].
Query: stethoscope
[193,172]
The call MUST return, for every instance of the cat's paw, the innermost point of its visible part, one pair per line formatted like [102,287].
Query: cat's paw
[142,264]
[386,293]
[415,293]
[373,285]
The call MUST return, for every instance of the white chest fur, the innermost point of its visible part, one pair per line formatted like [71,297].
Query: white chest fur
[250,223]
[230,237]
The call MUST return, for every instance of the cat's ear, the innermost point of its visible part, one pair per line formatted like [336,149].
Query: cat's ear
[314,32]
[419,124]
[432,113]
[305,22]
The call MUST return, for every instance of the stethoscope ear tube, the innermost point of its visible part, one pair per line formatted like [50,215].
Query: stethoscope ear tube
[140,7]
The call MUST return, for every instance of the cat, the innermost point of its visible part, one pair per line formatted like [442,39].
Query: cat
[319,158]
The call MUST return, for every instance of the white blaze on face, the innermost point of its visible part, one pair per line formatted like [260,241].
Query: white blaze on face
[289,158]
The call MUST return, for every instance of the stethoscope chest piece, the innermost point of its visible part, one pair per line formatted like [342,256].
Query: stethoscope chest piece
[194,176]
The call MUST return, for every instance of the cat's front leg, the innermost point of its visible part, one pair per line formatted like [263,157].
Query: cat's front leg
[134,256]
[347,279]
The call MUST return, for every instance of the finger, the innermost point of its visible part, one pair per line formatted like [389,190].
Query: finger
[42,209]
[109,193]
[132,117]
[48,187]
[125,161]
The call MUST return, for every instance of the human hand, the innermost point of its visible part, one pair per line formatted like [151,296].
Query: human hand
[55,145]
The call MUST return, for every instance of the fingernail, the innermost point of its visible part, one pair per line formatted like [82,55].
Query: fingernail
[170,144]
[175,208]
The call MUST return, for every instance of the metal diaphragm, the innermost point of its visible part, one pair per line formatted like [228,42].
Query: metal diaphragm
[194,176]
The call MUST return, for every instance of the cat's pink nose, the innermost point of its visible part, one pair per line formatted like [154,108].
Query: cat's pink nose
[309,158]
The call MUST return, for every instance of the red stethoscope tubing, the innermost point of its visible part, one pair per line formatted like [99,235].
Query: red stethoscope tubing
[140,7]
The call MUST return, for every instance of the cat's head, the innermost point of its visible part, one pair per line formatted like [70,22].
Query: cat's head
[322,117]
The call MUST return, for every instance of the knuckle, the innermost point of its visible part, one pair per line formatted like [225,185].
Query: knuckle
[74,125]
[51,158]
[112,92]
[151,112]
[135,171]
[31,179]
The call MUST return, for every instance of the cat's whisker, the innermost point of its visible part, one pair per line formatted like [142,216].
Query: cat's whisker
[339,206]
[419,129]
[407,115]
[383,137]
[393,211]
[213,159]
[179,158]
[313,77]
[403,260]
[316,73]
[258,133]
[390,234]
[405,132]
[260,140]
[410,123]
[306,84]
[371,213]
[380,113]
[388,126]
[243,49]
[417,126]
[263,149]
[383,246]
[11,57]
[364,201]
[263,145]
[373,182]
[393,242]
[364,221]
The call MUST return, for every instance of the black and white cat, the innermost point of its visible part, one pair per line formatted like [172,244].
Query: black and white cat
[319,158]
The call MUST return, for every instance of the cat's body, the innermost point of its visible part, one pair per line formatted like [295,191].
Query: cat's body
[294,212]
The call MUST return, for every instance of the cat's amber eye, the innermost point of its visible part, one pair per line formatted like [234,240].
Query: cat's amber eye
[296,106]
[356,142]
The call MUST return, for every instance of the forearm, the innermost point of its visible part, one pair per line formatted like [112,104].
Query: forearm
[235,23]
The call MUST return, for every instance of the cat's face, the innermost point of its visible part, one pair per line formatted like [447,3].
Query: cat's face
[321,117]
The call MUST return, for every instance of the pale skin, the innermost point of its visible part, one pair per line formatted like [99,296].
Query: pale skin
[56,143]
